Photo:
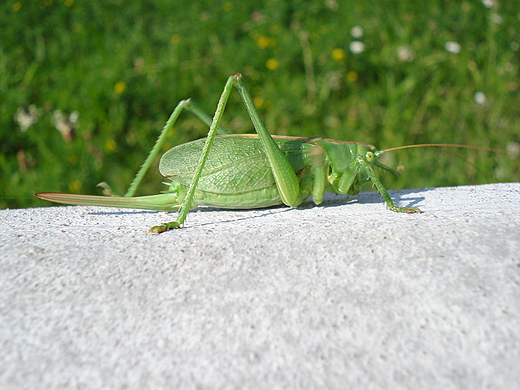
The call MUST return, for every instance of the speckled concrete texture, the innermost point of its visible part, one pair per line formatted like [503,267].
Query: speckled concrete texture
[347,295]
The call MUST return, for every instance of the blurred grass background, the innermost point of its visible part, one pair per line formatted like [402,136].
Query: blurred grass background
[86,86]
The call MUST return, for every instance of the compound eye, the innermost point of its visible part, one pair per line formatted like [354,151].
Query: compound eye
[369,156]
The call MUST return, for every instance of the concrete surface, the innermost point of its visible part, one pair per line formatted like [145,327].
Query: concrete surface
[346,296]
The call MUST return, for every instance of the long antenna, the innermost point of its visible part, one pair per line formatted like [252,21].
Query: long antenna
[445,145]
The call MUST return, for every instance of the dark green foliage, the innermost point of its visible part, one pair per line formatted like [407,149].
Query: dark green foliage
[123,66]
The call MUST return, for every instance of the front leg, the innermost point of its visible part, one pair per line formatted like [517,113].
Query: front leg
[389,203]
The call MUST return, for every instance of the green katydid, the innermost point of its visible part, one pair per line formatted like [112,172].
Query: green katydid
[247,171]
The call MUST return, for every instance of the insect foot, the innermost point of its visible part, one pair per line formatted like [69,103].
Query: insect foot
[164,227]
[407,210]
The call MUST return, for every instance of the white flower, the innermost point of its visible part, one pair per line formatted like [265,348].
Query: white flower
[480,98]
[509,67]
[405,54]
[356,32]
[513,148]
[332,4]
[66,126]
[489,3]
[452,47]
[357,47]
[497,19]
[27,118]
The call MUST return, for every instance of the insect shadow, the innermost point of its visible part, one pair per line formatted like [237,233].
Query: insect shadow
[366,197]
[277,209]
[330,200]
[399,197]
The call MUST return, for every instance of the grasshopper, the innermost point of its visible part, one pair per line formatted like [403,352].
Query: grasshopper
[247,171]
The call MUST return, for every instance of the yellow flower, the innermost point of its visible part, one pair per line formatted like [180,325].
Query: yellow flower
[262,41]
[258,101]
[110,145]
[272,63]
[338,55]
[75,186]
[17,6]
[120,87]
[352,76]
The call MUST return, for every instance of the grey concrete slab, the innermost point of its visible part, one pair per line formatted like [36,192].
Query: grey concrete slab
[344,296]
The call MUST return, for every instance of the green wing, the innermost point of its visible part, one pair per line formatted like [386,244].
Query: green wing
[236,163]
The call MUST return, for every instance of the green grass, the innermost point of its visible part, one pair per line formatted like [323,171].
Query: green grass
[123,66]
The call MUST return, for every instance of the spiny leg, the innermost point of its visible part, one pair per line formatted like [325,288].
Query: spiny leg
[199,113]
[390,204]
[156,148]
[186,204]
[184,104]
